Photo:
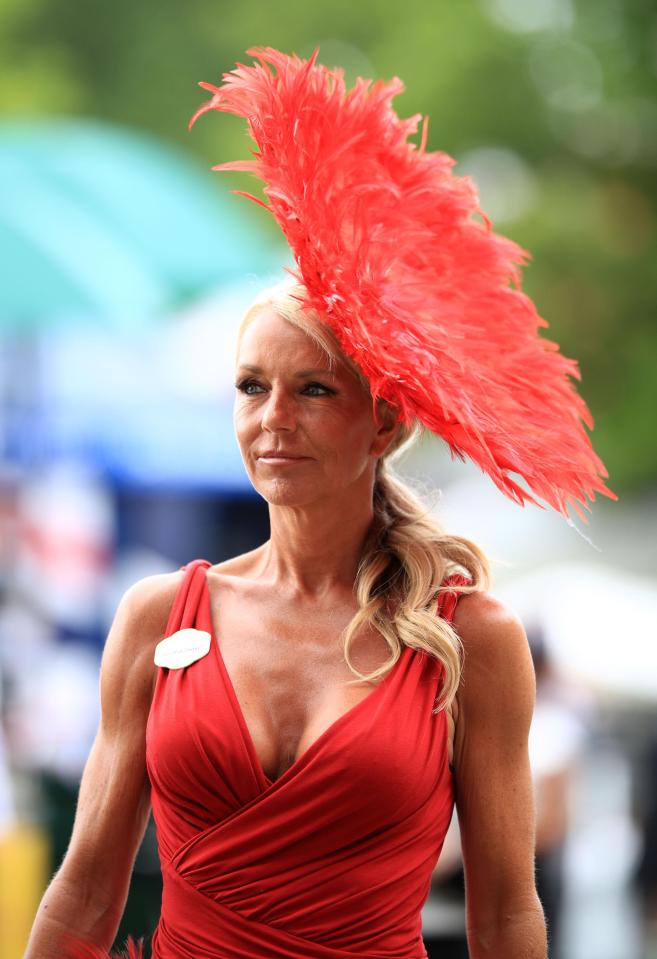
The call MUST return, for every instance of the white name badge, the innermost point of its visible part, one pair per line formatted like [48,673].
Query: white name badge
[182,648]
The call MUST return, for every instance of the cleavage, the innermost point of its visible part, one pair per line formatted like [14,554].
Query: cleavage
[288,676]
[281,742]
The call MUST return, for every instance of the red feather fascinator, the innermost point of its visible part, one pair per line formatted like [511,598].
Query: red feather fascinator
[422,295]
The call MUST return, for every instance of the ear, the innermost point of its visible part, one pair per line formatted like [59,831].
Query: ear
[386,427]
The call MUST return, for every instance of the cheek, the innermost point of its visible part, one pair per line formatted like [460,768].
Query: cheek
[347,444]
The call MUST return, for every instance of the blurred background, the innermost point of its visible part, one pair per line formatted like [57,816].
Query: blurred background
[125,264]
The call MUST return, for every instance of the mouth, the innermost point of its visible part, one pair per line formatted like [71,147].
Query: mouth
[282,460]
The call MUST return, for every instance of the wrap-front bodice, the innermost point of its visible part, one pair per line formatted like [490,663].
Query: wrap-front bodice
[332,860]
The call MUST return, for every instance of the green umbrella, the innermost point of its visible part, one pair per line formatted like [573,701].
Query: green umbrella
[105,223]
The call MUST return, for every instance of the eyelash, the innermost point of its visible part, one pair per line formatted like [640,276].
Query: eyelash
[243,385]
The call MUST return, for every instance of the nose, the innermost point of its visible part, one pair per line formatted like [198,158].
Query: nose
[278,412]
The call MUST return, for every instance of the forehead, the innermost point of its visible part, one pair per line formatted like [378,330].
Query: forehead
[269,339]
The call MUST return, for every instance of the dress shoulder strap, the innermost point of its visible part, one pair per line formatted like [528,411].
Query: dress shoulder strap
[448,598]
[185,603]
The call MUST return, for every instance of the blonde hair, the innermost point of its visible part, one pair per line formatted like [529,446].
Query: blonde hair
[407,553]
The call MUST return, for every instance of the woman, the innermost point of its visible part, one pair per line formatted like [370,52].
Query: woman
[320,704]
[350,547]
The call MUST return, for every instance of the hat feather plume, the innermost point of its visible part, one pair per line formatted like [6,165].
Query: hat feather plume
[397,257]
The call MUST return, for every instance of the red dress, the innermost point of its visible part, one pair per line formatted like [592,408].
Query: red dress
[332,860]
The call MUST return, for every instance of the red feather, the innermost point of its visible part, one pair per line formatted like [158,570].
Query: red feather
[77,948]
[422,295]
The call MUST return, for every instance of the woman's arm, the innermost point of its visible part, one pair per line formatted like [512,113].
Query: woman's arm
[494,790]
[87,895]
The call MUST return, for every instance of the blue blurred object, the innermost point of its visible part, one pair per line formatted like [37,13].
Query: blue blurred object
[101,223]
[124,273]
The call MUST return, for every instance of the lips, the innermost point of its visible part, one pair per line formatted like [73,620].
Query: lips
[280,455]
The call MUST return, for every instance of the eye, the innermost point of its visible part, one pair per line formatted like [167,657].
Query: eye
[326,389]
[244,386]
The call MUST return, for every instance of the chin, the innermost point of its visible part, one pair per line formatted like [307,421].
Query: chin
[283,492]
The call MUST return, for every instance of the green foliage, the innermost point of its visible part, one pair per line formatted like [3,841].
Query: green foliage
[574,100]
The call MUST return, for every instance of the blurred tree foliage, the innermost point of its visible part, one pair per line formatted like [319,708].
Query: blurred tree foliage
[565,86]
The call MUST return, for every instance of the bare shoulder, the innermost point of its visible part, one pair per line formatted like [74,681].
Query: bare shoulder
[145,606]
[139,624]
[490,630]
[498,685]
[142,614]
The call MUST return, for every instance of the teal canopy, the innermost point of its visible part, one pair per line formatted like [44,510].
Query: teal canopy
[101,222]
[104,233]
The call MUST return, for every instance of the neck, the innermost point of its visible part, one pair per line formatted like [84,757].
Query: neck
[315,550]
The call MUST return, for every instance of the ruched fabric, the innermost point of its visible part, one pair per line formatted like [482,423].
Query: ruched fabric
[332,860]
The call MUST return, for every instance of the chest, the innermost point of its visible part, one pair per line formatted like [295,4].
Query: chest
[286,665]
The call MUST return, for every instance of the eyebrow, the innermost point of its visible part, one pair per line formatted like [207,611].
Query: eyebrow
[318,369]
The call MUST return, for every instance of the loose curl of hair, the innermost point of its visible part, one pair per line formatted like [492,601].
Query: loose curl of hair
[407,554]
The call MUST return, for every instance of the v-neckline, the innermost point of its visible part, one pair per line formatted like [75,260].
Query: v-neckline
[246,732]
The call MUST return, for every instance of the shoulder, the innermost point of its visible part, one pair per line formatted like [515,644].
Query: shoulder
[491,632]
[139,624]
[127,669]
[146,604]
[497,691]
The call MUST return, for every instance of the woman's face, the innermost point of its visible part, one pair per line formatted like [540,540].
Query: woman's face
[288,400]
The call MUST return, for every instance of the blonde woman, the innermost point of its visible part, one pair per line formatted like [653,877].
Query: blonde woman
[330,703]
[319,705]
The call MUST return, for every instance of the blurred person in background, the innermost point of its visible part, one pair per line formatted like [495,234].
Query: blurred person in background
[7,807]
[645,813]
[556,742]
[299,811]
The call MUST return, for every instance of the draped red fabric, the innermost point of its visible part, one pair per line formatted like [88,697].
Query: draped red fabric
[332,860]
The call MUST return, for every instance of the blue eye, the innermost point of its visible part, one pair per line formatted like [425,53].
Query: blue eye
[244,385]
[325,388]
